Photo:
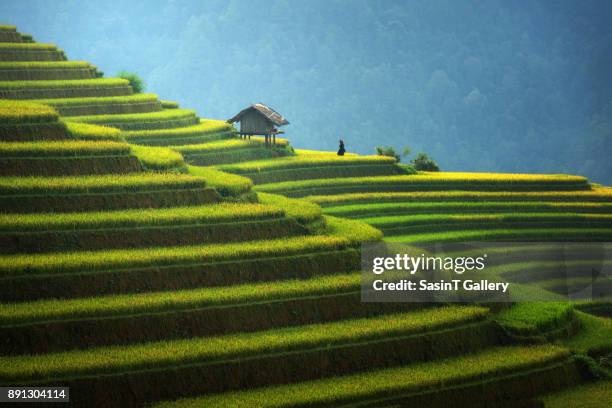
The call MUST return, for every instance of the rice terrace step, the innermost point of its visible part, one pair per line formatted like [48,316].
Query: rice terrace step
[154,256]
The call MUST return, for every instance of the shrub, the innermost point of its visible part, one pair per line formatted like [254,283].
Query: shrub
[388,151]
[423,162]
[136,82]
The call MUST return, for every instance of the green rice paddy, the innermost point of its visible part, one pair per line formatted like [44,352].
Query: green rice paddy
[386,383]
[95,184]
[284,267]
[223,212]
[215,348]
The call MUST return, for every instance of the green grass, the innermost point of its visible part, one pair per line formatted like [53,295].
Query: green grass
[372,209]
[205,131]
[544,234]
[44,70]
[509,178]
[96,184]
[599,194]
[601,287]
[76,262]
[169,104]
[206,126]
[235,155]
[304,152]
[85,131]
[61,102]
[158,158]
[425,181]
[388,382]
[16,112]
[153,302]
[535,317]
[76,83]
[44,65]
[215,146]
[526,269]
[591,395]
[226,184]
[594,338]
[596,307]
[304,161]
[27,46]
[352,230]
[209,214]
[303,211]
[170,114]
[280,142]
[431,222]
[122,358]
[359,170]
[62,149]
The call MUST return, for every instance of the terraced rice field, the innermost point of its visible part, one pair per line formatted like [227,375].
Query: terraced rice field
[130,104]
[303,167]
[80,88]
[24,51]
[47,70]
[228,150]
[153,120]
[410,385]
[427,182]
[207,130]
[217,272]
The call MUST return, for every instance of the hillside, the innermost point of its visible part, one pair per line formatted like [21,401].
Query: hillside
[149,255]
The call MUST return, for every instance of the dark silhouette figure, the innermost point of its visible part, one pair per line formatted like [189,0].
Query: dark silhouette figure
[341,149]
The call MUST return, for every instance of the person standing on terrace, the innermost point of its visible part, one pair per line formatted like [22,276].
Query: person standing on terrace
[341,149]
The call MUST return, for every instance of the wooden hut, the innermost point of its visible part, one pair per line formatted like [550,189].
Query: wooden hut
[259,119]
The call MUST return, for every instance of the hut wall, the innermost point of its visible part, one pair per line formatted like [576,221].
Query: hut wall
[255,124]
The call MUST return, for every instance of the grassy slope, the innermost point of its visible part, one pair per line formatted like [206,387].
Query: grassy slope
[62,149]
[64,185]
[137,218]
[17,112]
[11,265]
[342,233]
[76,83]
[216,348]
[387,382]
[592,395]
[152,302]
[596,194]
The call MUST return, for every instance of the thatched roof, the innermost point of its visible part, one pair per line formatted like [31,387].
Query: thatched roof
[269,113]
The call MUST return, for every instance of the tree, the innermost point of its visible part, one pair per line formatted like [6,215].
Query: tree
[423,162]
[136,82]
[388,151]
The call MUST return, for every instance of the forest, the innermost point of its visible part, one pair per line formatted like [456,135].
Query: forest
[521,86]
